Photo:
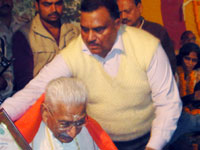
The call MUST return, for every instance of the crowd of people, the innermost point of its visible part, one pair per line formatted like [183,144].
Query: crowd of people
[114,82]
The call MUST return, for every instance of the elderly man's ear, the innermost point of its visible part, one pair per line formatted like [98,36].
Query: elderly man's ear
[44,112]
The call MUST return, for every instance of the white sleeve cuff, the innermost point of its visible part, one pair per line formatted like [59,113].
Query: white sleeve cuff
[157,142]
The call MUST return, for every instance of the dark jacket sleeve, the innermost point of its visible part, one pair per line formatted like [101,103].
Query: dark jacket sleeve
[23,63]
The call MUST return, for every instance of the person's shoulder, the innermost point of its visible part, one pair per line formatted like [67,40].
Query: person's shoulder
[137,33]
[23,19]
[140,42]
[20,21]
[153,27]
[23,29]
[26,27]
[74,45]
[71,27]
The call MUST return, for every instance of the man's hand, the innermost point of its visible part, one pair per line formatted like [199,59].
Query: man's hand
[149,148]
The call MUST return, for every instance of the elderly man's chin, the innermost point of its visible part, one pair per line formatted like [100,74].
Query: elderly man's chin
[68,140]
[64,138]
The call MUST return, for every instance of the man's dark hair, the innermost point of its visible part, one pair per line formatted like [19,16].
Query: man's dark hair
[110,5]
[185,35]
[37,1]
[137,2]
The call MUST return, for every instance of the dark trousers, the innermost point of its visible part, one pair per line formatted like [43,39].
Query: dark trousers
[136,144]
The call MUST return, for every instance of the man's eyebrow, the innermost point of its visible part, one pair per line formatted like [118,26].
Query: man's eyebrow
[100,27]
[83,26]
[46,2]
[63,121]
[81,118]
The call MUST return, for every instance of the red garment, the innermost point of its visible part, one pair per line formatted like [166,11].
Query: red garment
[29,124]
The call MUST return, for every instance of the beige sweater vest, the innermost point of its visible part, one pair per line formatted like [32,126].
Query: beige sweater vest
[122,104]
[42,43]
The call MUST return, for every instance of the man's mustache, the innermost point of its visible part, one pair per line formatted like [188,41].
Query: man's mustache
[64,136]
[124,21]
[93,43]
[54,14]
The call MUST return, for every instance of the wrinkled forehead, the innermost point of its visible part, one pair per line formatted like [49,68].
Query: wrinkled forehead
[77,116]
[71,111]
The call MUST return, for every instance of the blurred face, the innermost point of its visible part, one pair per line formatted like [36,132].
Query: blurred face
[6,7]
[191,38]
[49,10]
[99,31]
[190,61]
[67,122]
[130,13]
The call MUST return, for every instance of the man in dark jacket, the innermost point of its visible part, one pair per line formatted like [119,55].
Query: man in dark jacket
[130,14]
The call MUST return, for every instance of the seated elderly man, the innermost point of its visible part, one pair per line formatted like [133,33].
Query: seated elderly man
[65,124]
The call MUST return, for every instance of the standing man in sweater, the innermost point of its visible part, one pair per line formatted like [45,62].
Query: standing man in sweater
[130,94]
[36,43]
[130,14]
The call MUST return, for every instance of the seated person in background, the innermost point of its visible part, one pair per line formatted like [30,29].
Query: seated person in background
[188,73]
[65,124]
[36,43]
[130,14]
[187,37]
[187,76]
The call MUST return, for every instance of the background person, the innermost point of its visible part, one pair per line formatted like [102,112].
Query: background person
[129,93]
[187,37]
[130,14]
[187,76]
[187,70]
[36,43]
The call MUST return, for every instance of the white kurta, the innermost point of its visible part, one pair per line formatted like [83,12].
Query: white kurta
[44,140]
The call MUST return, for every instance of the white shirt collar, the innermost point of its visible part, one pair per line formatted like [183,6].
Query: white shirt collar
[141,25]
